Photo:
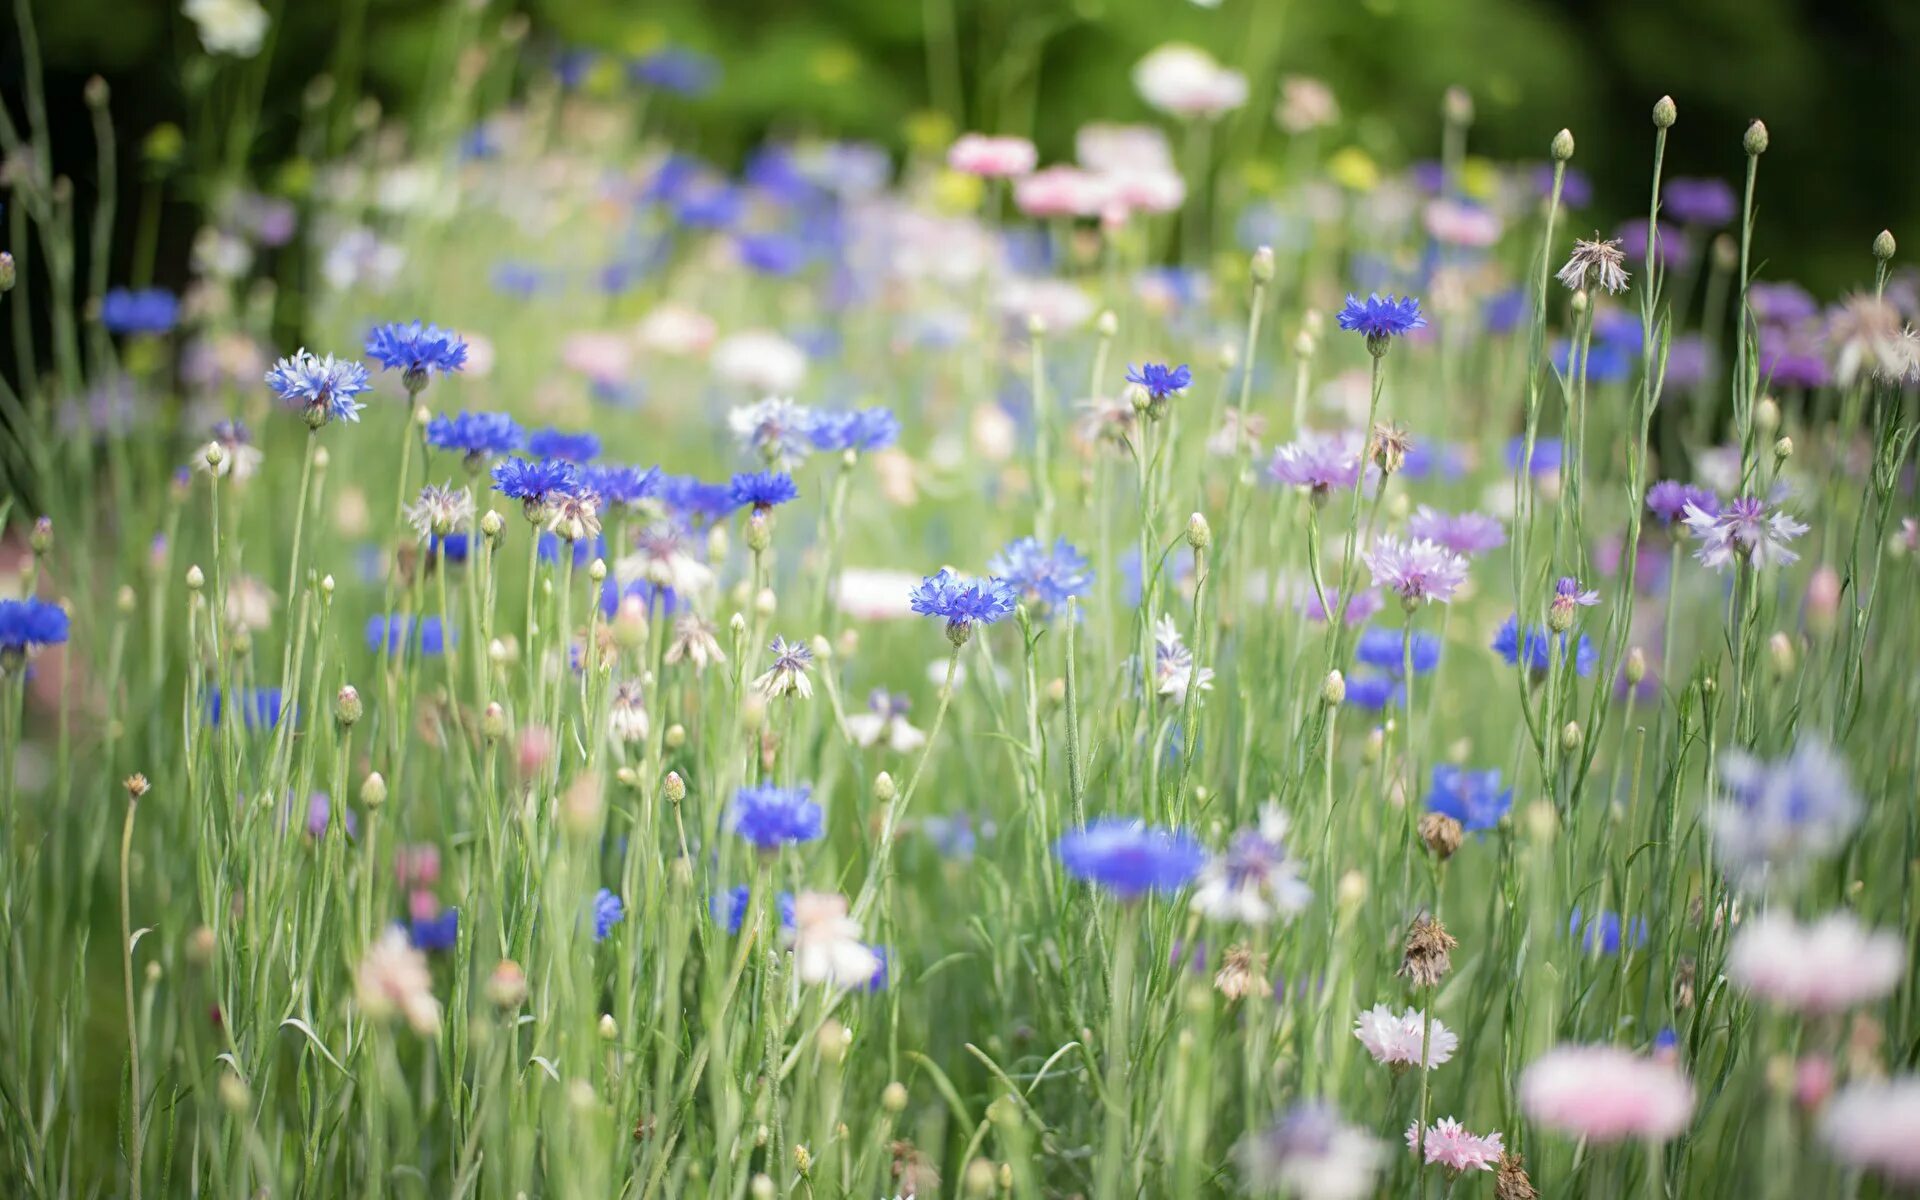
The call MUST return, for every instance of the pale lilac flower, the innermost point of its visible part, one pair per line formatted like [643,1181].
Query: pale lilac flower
[1318,462]
[1396,1040]
[1185,81]
[886,721]
[1744,529]
[1595,262]
[662,558]
[694,642]
[1173,668]
[1364,604]
[1778,816]
[1828,966]
[1253,881]
[1451,1146]
[441,509]
[789,673]
[1418,571]
[1465,534]
[1874,1125]
[776,429]
[1311,1154]
[1606,1094]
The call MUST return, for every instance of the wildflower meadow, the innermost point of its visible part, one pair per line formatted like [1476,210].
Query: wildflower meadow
[552,663]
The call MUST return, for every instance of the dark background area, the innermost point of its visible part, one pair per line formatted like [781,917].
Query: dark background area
[1835,82]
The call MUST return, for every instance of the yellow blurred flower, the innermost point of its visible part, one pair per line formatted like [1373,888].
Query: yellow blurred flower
[1478,178]
[1352,167]
[834,64]
[956,191]
[928,130]
[1261,177]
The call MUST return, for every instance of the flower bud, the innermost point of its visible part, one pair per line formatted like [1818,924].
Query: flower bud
[507,985]
[1106,325]
[1457,105]
[1636,668]
[1755,141]
[759,531]
[1333,689]
[234,1093]
[1664,113]
[1780,654]
[762,1188]
[491,523]
[493,722]
[1766,415]
[674,787]
[894,1098]
[196,578]
[833,1040]
[1823,599]
[1883,246]
[373,790]
[1783,449]
[1304,345]
[883,789]
[676,736]
[1261,268]
[40,539]
[1562,146]
[9,273]
[1352,889]
[1570,736]
[347,708]
[609,1028]
[1199,533]
[201,944]
[597,571]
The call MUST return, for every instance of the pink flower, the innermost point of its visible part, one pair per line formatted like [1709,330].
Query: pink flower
[1812,1081]
[601,357]
[1417,571]
[992,157]
[676,330]
[1396,1040]
[1606,1094]
[1456,223]
[1875,1125]
[1450,1145]
[1828,966]
[1185,81]
[1059,192]
[1305,103]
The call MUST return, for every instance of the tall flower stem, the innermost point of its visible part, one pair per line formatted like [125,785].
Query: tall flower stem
[135,1127]
[876,872]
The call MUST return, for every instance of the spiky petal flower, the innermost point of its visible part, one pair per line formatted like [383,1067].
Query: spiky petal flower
[534,483]
[322,388]
[770,816]
[1321,463]
[788,674]
[886,721]
[1160,380]
[762,490]
[1253,881]
[1669,499]
[1465,534]
[28,625]
[1874,1125]
[1473,798]
[694,641]
[1606,1094]
[1744,529]
[1418,571]
[239,457]
[1450,1145]
[1046,578]
[441,509]
[627,712]
[608,911]
[1596,262]
[1380,320]
[393,980]
[480,436]
[417,351]
[962,602]
[776,430]
[1173,666]
[1405,1039]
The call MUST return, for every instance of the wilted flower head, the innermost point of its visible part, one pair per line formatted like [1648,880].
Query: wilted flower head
[1311,1154]
[1778,816]
[1418,571]
[1744,529]
[1129,858]
[1606,1094]
[1595,263]
[1429,952]
[1405,1039]
[322,388]
[1254,880]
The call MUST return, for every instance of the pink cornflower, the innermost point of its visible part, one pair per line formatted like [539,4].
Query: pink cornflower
[1318,462]
[1450,1145]
[1606,1094]
[1743,529]
[1418,571]
[1060,191]
[1828,966]
[1875,1125]
[1464,533]
[1362,605]
[1456,223]
[992,157]
[1396,1040]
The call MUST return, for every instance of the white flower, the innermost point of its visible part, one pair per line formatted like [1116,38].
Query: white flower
[1173,668]
[235,27]
[393,979]
[1185,81]
[1396,1040]
[1875,1125]
[761,360]
[1253,881]
[826,942]
[886,721]
[676,330]
[627,712]
[874,594]
[1828,966]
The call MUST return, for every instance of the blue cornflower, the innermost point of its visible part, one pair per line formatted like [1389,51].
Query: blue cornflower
[435,933]
[323,388]
[426,634]
[1130,859]
[696,499]
[714,207]
[1602,931]
[881,976]
[775,254]
[583,550]
[962,602]
[533,483]
[1503,311]
[455,546]
[955,837]
[1161,380]
[1374,692]
[1473,798]
[682,72]
[1547,453]
[1381,648]
[1046,578]
[608,911]
[730,907]
[259,708]
[568,447]
[27,625]
[572,65]
[1778,816]
[478,435]
[1381,320]
[1532,649]
[150,311]
[771,816]
[621,485]
[416,351]
[762,489]
[865,430]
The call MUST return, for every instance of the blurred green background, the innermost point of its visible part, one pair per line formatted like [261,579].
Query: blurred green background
[1833,79]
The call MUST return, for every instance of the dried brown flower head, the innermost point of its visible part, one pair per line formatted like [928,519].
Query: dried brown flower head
[1442,834]
[1510,1180]
[1429,953]
[1243,973]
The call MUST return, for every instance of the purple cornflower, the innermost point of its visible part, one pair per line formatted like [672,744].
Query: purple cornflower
[776,429]
[1533,649]
[962,602]
[1045,578]
[608,911]
[762,489]
[864,430]
[1779,815]
[567,447]
[1473,798]
[1318,462]
[320,817]
[27,625]
[436,933]
[771,816]
[535,483]
[1464,533]
[1418,571]
[322,388]
[1130,859]
[1547,453]
[1671,246]
[416,351]
[148,311]
[1161,380]
[1567,595]
[1381,320]
[1364,604]
[1781,303]
[1699,201]
[478,435]
[1744,529]
[621,485]
[1669,500]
